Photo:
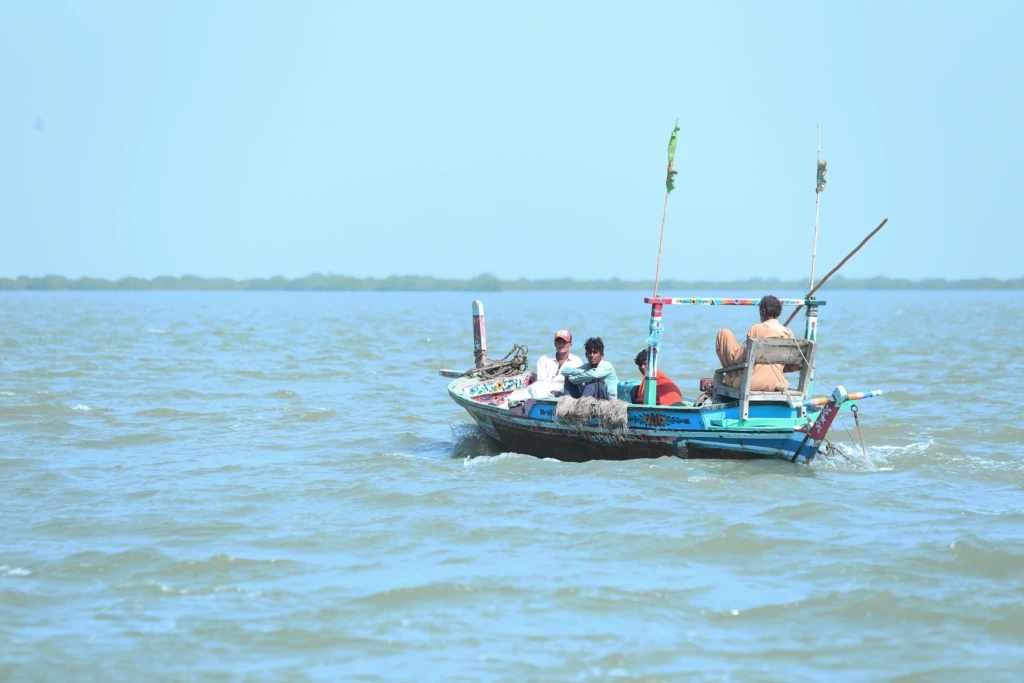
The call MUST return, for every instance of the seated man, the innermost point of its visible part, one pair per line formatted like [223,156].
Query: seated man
[595,378]
[730,352]
[667,392]
[549,370]
[549,367]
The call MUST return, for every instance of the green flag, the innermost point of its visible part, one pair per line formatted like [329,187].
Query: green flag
[670,178]
[822,168]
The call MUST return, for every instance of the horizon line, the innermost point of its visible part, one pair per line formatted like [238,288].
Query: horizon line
[484,282]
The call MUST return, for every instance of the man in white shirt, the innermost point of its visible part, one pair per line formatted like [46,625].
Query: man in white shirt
[549,367]
[549,370]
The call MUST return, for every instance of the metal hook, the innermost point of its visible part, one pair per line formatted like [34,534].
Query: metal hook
[856,419]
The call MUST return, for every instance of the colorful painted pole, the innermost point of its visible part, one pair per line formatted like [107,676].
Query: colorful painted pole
[479,335]
[811,332]
[855,396]
[653,341]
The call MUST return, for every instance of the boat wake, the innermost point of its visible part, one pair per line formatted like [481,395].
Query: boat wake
[848,456]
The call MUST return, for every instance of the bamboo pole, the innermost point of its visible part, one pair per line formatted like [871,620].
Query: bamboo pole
[832,272]
[817,205]
[661,240]
[668,191]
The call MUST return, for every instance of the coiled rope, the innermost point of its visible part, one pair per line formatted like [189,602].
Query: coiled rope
[514,363]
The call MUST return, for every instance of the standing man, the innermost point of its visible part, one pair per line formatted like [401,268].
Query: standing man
[549,367]
[595,378]
[731,352]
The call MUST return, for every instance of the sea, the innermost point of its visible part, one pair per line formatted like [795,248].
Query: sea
[268,486]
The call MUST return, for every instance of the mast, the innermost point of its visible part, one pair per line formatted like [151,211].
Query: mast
[654,338]
[819,187]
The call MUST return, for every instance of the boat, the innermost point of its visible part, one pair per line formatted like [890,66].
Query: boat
[731,423]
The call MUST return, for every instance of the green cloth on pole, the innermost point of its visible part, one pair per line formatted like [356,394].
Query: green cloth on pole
[822,168]
[670,179]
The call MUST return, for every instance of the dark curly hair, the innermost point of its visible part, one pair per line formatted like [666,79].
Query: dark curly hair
[641,358]
[594,344]
[770,307]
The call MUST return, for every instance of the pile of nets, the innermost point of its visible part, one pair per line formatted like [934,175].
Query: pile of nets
[611,414]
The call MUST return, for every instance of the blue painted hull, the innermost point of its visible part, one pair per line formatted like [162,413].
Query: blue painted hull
[772,431]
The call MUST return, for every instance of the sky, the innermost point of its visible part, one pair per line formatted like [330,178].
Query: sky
[525,140]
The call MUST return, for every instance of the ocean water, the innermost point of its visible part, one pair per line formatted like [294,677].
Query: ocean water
[276,486]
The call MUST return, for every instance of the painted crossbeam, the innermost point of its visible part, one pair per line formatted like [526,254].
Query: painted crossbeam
[730,302]
[855,396]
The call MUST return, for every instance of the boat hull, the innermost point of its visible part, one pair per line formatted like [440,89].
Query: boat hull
[653,431]
[579,446]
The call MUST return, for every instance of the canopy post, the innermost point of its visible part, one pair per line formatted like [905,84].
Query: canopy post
[653,341]
[479,335]
[811,332]
[811,323]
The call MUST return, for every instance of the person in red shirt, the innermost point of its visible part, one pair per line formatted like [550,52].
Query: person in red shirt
[668,392]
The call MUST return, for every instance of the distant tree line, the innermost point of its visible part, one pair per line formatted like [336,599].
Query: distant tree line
[481,283]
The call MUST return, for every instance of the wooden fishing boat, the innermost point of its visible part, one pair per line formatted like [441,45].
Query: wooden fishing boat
[735,423]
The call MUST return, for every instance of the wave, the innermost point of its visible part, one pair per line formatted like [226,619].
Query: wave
[166,412]
[469,441]
[317,415]
[13,571]
[445,592]
[124,441]
[282,393]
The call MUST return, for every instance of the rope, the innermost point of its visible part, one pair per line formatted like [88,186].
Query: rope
[815,375]
[514,362]
[832,449]
[848,432]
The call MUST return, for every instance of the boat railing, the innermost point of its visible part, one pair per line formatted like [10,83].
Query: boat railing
[703,301]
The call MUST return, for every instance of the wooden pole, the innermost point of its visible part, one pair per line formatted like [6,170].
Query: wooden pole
[817,204]
[832,272]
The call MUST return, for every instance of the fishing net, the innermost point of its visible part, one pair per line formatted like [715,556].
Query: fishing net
[611,414]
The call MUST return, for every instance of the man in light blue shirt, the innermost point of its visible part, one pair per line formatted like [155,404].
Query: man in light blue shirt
[595,378]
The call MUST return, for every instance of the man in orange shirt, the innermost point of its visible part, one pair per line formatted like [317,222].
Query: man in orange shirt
[667,392]
[731,352]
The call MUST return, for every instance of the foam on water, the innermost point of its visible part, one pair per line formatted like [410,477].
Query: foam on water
[496,460]
[13,571]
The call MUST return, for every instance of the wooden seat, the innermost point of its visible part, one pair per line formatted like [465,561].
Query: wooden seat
[768,352]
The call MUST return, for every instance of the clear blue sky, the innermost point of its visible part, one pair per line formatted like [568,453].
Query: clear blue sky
[249,139]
